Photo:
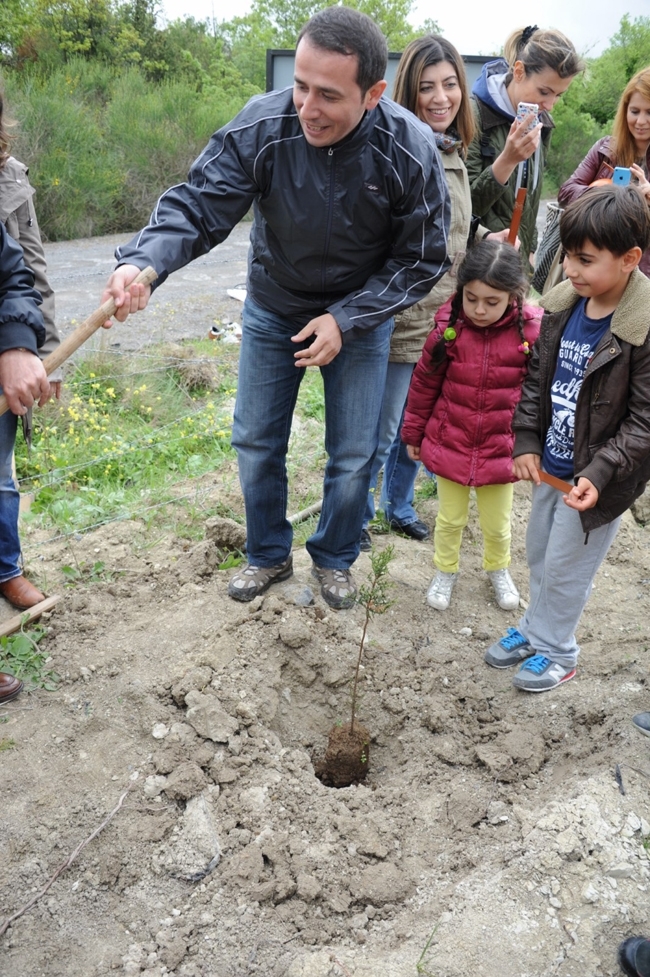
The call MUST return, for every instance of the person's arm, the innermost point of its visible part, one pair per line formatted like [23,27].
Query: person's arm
[191,218]
[526,421]
[29,238]
[418,256]
[488,178]
[22,376]
[629,449]
[584,174]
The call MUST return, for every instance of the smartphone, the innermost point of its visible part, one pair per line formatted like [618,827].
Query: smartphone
[524,109]
[621,176]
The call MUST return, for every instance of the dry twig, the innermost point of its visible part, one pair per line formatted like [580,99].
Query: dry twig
[68,862]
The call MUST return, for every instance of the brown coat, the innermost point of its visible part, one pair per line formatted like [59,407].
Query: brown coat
[612,420]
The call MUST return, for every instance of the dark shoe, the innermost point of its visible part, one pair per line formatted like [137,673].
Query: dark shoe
[634,956]
[365,542]
[642,722]
[10,687]
[416,530]
[251,580]
[21,593]
[336,586]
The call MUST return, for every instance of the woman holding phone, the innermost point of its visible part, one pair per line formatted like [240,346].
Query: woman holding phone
[628,146]
[510,146]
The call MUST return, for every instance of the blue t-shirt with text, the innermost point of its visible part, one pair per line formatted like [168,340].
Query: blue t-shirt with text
[578,344]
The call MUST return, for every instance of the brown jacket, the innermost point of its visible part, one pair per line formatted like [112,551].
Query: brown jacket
[414,325]
[612,420]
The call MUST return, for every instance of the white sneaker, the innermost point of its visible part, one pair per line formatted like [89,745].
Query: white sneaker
[505,590]
[439,592]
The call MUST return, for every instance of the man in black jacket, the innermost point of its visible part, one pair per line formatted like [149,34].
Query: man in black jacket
[351,218]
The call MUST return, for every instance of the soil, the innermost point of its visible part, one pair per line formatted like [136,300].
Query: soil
[490,818]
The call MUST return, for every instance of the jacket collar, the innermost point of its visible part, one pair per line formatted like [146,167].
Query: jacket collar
[631,319]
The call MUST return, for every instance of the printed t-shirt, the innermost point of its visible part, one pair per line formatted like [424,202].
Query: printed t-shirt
[578,344]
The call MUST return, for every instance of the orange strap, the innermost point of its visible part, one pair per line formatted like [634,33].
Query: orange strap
[516,214]
[555,482]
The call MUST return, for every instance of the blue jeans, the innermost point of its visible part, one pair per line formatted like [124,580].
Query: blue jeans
[266,397]
[399,471]
[9,502]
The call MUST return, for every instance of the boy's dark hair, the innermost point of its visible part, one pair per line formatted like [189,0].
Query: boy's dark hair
[611,218]
[349,32]
[496,264]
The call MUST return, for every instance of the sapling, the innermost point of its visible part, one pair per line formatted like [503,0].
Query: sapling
[373,597]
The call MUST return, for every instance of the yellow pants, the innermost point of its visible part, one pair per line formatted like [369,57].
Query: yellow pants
[494,506]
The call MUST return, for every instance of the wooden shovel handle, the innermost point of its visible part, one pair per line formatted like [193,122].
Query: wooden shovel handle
[83,332]
[516,215]
[555,482]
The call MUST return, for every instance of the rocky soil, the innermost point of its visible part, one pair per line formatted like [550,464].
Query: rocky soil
[489,817]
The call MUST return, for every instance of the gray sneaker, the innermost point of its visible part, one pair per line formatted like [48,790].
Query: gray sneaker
[505,591]
[509,650]
[336,586]
[251,580]
[539,674]
[642,722]
[440,588]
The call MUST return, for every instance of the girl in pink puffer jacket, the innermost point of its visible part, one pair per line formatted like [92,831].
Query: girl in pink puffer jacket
[459,412]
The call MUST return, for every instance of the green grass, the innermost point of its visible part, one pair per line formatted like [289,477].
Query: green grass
[21,656]
[129,433]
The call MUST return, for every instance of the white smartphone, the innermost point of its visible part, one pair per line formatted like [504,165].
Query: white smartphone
[526,108]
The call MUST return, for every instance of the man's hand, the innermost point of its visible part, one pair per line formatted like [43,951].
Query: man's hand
[325,347]
[129,298]
[413,451]
[23,380]
[582,496]
[503,237]
[526,467]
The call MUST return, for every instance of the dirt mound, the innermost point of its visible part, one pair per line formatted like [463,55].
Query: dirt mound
[490,816]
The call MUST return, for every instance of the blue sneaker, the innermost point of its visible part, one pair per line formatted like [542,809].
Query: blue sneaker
[539,674]
[510,650]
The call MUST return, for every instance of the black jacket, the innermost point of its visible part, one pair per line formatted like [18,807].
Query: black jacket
[358,229]
[612,420]
[21,322]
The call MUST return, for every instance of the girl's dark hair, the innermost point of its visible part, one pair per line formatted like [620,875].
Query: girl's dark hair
[611,218]
[5,138]
[420,54]
[495,264]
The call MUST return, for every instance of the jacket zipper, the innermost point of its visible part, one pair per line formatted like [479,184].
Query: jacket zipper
[481,405]
[330,219]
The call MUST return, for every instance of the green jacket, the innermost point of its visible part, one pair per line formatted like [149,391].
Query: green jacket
[414,325]
[492,201]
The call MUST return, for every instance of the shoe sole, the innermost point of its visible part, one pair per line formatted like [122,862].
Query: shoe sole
[548,688]
[639,729]
[244,596]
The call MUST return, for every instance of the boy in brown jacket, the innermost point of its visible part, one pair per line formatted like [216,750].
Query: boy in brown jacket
[584,416]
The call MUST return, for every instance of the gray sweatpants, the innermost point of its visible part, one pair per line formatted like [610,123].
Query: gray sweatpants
[562,570]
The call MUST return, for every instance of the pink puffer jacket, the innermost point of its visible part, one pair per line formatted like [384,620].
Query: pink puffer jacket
[461,414]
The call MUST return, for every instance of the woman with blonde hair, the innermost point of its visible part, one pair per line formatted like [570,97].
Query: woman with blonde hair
[509,152]
[628,146]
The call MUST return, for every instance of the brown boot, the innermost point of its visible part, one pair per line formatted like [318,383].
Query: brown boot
[10,687]
[21,593]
